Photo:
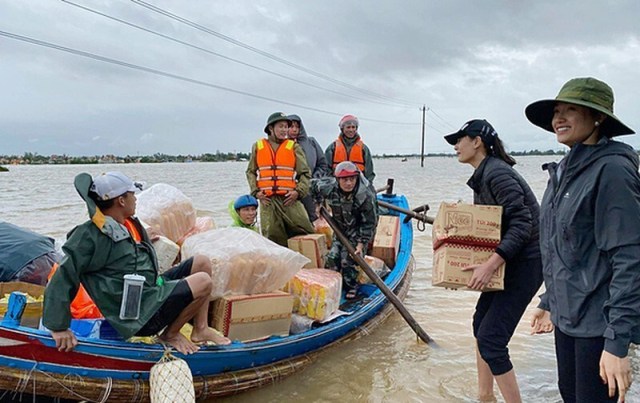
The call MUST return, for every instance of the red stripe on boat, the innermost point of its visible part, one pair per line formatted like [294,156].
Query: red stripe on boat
[32,349]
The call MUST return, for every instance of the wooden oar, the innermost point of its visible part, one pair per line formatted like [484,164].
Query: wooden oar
[376,279]
[420,217]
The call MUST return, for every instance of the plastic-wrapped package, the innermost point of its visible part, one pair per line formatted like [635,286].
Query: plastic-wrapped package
[167,210]
[202,224]
[378,267]
[316,292]
[243,261]
[166,251]
[300,324]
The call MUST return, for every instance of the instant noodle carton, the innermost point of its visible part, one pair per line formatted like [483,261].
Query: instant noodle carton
[450,259]
[312,246]
[386,242]
[467,224]
[316,292]
[253,317]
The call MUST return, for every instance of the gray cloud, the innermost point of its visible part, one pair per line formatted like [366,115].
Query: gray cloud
[461,59]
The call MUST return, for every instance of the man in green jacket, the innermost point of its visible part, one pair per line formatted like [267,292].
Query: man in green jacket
[243,212]
[278,176]
[112,244]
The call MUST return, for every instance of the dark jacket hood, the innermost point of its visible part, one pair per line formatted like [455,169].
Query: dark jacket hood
[303,132]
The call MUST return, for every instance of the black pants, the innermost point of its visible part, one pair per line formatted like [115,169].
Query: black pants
[178,300]
[579,369]
[498,313]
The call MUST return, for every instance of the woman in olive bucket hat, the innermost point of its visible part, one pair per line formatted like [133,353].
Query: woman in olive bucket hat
[590,243]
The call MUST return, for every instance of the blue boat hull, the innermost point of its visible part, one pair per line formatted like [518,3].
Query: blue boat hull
[32,352]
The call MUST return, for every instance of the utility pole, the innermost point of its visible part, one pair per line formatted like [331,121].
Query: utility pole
[424,110]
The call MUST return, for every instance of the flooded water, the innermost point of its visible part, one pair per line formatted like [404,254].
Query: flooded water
[388,365]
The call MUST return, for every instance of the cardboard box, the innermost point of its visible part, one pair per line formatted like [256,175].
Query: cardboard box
[378,267]
[166,251]
[450,259]
[321,226]
[31,289]
[253,317]
[33,311]
[312,246]
[467,224]
[386,242]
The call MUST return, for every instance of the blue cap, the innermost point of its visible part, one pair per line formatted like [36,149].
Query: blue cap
[245,201]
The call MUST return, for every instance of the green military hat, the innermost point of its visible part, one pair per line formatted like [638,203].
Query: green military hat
[275,117]
[584,91]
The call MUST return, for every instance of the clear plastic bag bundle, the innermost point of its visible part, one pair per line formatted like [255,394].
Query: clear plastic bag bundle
[202,224]
[167,210]
[243,261]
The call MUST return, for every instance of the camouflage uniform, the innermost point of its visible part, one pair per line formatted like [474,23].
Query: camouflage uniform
[355,214]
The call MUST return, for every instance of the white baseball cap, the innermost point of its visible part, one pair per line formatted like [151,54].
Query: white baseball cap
[110,185]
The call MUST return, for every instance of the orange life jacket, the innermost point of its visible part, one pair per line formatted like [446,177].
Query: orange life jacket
[135,234]
[356,154]
[276,170]
[82,306]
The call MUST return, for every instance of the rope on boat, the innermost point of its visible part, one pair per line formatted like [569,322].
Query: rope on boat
[23,382]
[138,396]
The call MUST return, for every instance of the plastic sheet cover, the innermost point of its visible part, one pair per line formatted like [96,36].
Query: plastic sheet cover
[167,210]
[243,261]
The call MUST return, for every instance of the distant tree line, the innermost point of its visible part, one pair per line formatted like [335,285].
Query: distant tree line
[36,159]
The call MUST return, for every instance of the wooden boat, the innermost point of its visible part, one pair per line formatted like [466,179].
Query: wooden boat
[105,370]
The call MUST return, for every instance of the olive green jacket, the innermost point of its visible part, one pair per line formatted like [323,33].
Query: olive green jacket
[99,258]
[303,174]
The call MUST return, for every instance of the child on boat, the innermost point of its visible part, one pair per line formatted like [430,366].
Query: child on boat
[353,206]
[111,245]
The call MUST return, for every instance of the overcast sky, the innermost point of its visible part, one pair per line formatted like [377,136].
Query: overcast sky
[379,60]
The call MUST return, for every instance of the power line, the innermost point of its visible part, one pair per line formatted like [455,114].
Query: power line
[173,39]
[442,120]
[266,54]
[175,76]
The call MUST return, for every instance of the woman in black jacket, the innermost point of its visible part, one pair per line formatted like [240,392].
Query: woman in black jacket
[495,182]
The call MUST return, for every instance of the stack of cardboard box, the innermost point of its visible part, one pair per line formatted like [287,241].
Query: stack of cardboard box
[465,235]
